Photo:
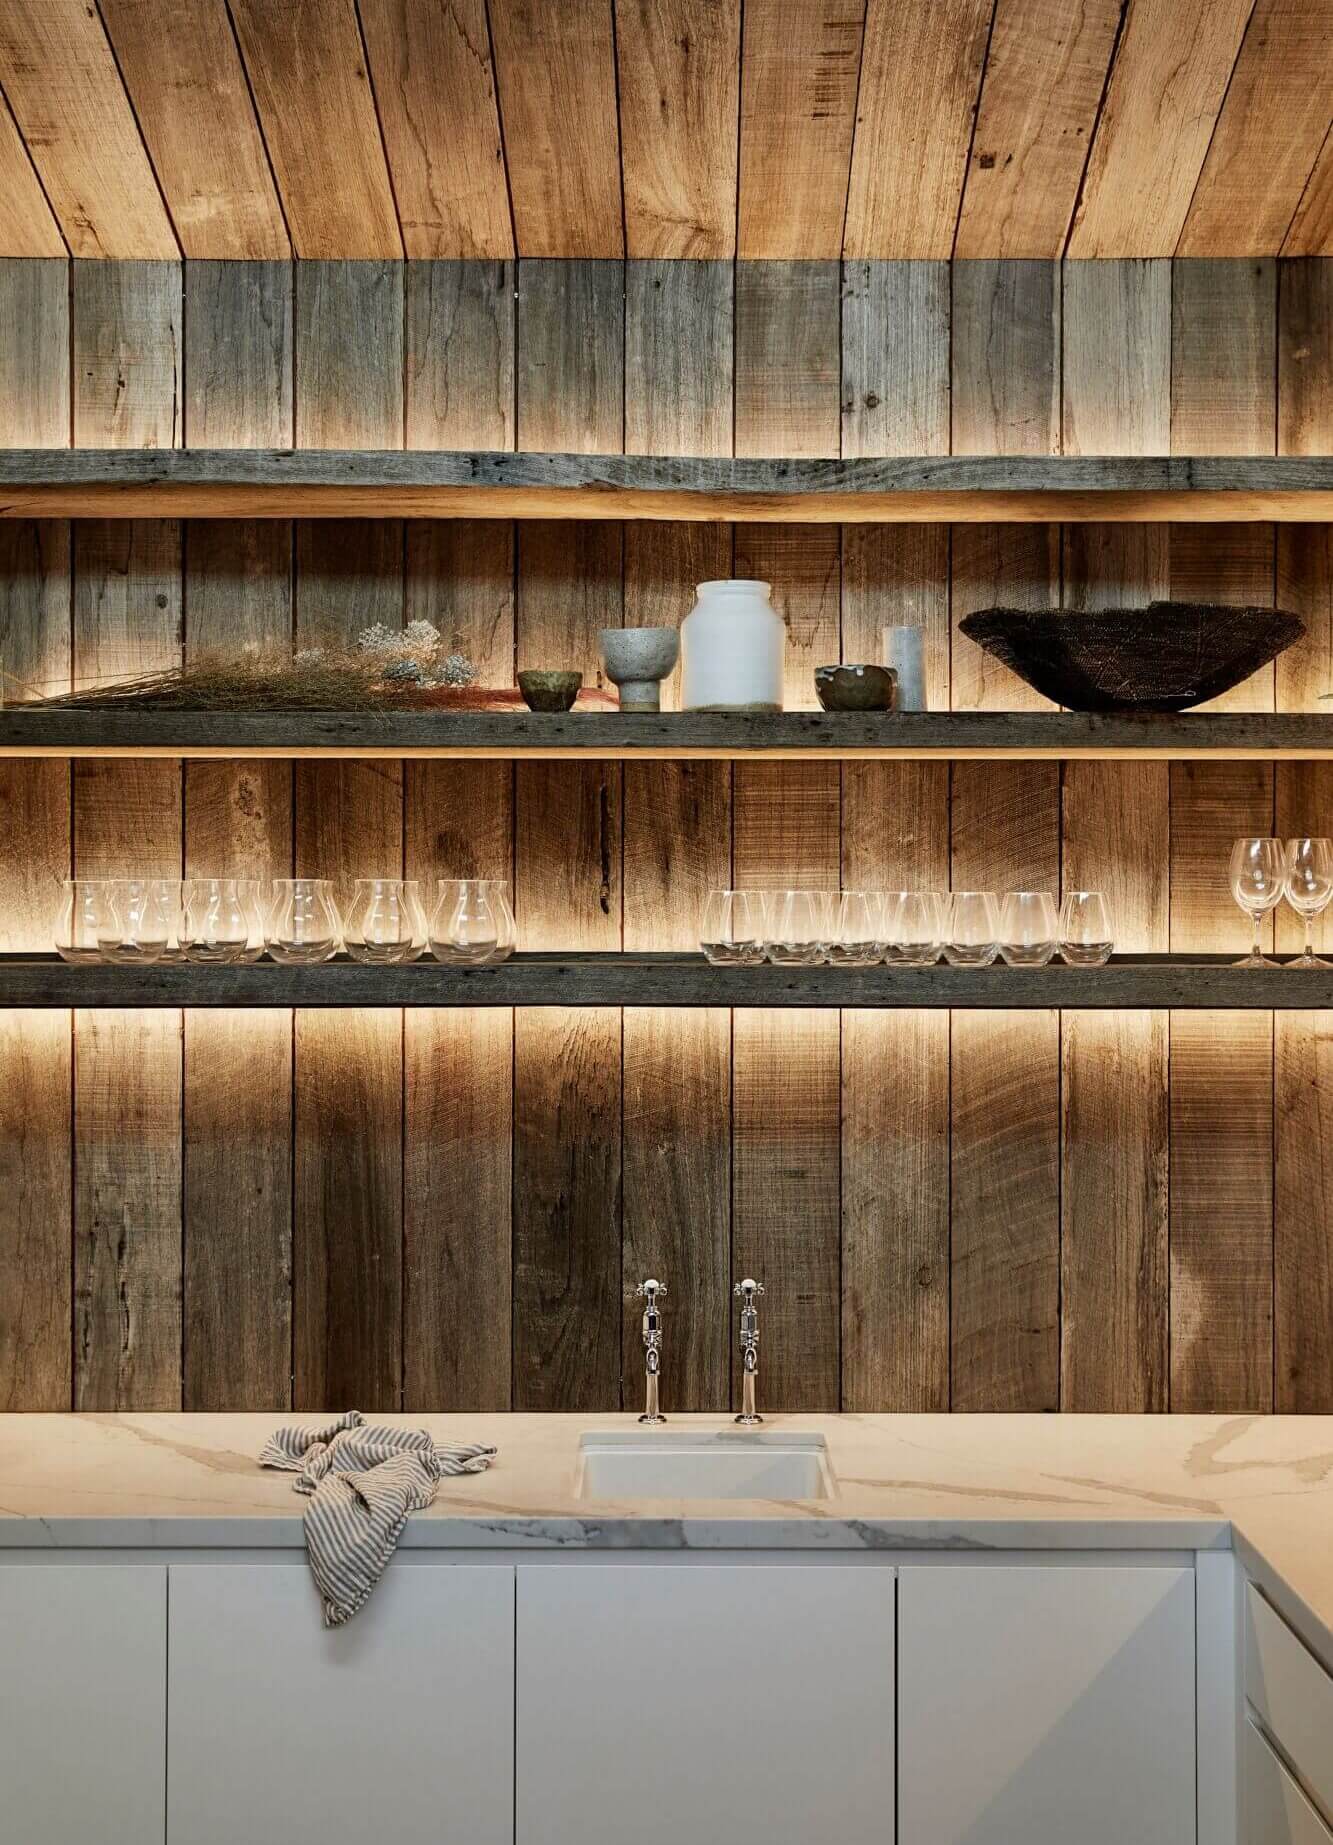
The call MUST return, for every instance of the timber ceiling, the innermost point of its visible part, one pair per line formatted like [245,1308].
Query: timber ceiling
[666,128]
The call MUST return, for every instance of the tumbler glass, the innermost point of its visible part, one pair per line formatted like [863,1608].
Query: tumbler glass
[799,927]
[380,923]
[304,925]
[1085,929]
[216,921]
[86,916]
[856,939]
[506,937]
[972,936]
[1029,927]
[144,920]
[732,934]
[913,927]
[465,929]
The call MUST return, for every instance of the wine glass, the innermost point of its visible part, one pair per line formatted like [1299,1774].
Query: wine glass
[1028,928]
[1309,887]
[913,927]
[1258,878]
[381,922]
[733,928]
[87,916]
[216,920]
[799,927]
[1085,929]
[465,930]
[304,926]
[972,937]
[856,940]
[143,921]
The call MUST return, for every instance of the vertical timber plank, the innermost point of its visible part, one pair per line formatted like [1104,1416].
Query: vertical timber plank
[35,1110]
[1005,832]
[127,817]
[787,359]
[348,1225]
[567,869]
[238,823]
[458,1176]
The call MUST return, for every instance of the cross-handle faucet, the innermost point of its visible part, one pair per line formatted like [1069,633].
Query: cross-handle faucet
[748,1292]
[652,1292]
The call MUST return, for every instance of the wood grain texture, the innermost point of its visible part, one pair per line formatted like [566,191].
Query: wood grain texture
[60,78]
[895,358]
[678,357]
[1045,69]
[1116,379]
[1268,134]
[678,73]
[27,226]
[36,1309]
[1223,357]
[787,358]
[126,354]
[898,574]
[1305,357]
[555,68]
[1167,84]
[1305,586]
[183,74]
[460,355]
[1302,1252]
[1311,232]
[571,356]
[1006,358]
[349,324]
[920,79]
[800,68]
[1014,567]
[238,385]
[308,74]
[460,578]
[803,563]
[34,353]
[430,63]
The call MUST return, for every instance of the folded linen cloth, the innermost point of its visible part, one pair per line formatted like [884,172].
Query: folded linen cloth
[362,1483]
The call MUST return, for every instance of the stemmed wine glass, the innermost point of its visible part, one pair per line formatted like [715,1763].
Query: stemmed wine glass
[1258,878]
[1309,889]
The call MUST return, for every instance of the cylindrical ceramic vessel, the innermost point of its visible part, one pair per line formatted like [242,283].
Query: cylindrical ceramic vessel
[732,645]
[905,652]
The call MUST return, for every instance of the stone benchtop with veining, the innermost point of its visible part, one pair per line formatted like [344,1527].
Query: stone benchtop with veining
[966,1482]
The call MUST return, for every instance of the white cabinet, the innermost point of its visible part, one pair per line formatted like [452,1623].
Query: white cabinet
[1045,1704]
[83,1661]
[396,1727]
[661,1703]
[1274,1811]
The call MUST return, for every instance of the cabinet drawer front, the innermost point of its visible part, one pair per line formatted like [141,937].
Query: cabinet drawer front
[1274,1811]
[1293,1695]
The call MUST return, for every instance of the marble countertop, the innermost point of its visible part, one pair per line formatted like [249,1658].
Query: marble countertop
[1261,1483]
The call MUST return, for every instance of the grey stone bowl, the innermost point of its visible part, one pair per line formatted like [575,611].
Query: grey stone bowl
[637,660]
[545,691]
[856,688]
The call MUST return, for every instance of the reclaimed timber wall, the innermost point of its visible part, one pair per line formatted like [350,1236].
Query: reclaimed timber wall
[987,1211]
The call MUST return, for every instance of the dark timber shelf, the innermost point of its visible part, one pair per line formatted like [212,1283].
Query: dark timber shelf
[336,483]
[1014,735]
[1179,982]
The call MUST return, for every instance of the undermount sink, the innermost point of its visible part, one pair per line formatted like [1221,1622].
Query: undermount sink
[623,1464]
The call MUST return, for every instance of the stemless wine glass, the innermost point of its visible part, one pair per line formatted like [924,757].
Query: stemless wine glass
[416,910]
[87,914]
[1085,929]
[1028,927]
[972,936]
[913,928]
[733,928]
[799,927]
[216,919]
[144,920]
[464,930]
[1258,877]
[380,922]
[304,925]
[1309,888]
[856,940]
[506,927]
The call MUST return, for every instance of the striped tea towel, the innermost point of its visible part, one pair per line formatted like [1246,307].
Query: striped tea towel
[362,1483]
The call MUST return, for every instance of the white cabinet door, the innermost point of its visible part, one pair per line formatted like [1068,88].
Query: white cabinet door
[397,1727]
[664,1704]
[1274,1811]
[1042,1705]
[83,1684]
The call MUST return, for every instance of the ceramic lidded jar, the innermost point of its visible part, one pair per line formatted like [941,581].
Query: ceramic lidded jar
[732,644]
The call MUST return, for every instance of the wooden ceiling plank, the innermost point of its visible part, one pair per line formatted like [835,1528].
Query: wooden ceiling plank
[1167,85]
[1269,133]
[678,67]
[1045,72]
[920,79]
[180,64]
[556,75]
[431,63]
[27,224]
[70,105]
[1311,232]
[317,110]
[799,73]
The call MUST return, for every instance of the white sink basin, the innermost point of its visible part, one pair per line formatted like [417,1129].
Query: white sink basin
[657,1464]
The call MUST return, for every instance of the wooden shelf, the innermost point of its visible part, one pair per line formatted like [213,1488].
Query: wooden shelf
[1163,981]
[1004,735]
[336,483]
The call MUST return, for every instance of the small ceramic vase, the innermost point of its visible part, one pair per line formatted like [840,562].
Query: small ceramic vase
[637,660]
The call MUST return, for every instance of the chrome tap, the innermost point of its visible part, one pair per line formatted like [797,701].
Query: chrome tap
[652,1292]
[748,1292]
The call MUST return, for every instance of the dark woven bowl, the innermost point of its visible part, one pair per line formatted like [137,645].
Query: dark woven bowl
[1163,658]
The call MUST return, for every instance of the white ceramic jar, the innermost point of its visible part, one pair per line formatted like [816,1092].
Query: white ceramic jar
[732,644]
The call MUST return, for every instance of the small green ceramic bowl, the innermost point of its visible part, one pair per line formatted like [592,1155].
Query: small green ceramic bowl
[856,688]
[543,691]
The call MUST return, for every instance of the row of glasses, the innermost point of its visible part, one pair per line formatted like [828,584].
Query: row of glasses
[138,921]
[856,928]
[1264,871]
